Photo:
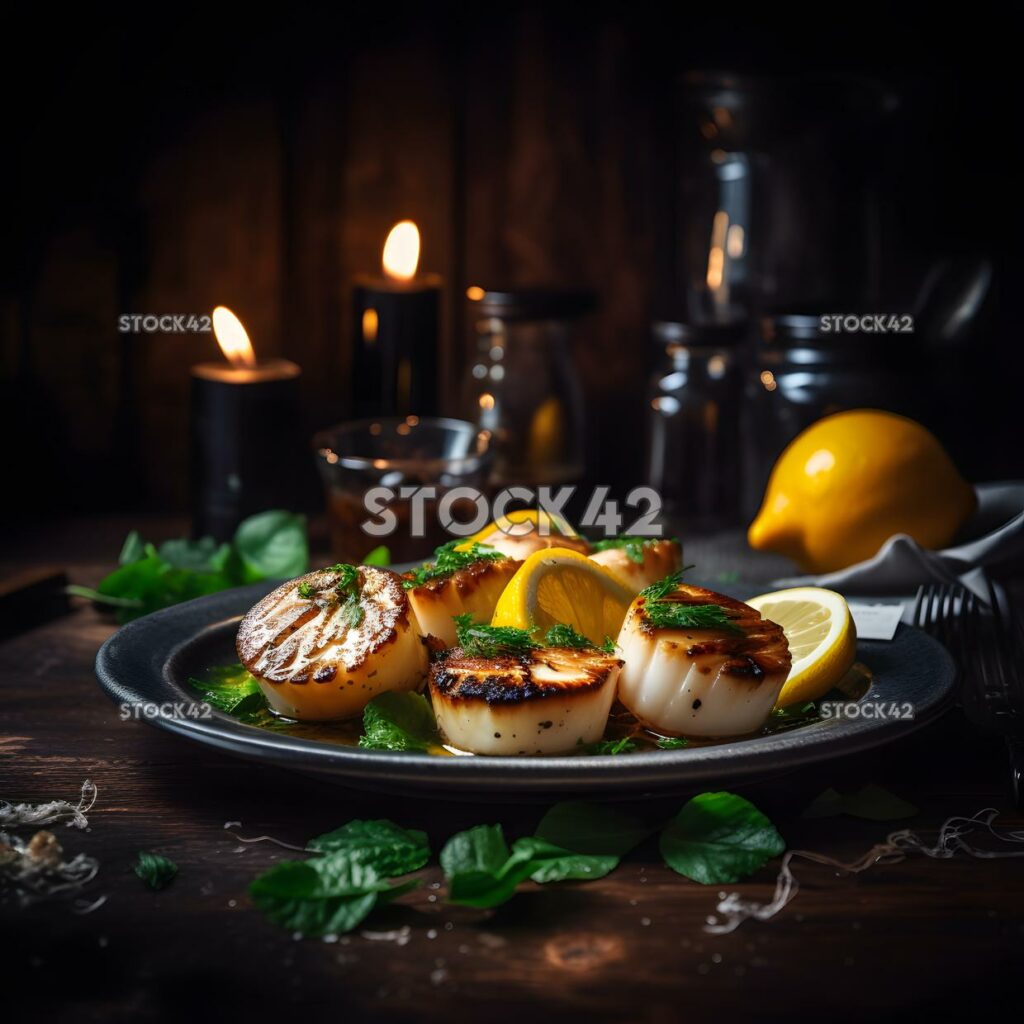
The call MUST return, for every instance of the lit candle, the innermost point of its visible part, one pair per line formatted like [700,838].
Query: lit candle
[246,437]
[395,364]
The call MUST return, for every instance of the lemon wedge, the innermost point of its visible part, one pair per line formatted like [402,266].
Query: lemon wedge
[822,639]
[559,585]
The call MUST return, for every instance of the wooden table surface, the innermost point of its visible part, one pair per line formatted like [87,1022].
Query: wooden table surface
[921,936]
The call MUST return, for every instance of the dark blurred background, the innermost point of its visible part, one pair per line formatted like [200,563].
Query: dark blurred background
[169,161]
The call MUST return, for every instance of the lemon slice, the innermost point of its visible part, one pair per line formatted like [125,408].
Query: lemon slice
[821,634]
[558,585]
[503,524]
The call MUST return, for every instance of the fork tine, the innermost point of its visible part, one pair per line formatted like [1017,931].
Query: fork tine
[917,615]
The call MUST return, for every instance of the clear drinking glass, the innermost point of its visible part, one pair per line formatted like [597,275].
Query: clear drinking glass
[397,453]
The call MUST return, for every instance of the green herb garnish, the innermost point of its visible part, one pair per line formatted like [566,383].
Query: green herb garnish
[563,635]
[231,689]
[790,717]
[156,870]
[665,614]
[620,746]
[307,591]
[348,589]
[632,545]
[265,546]
[718,838]
[399,721]
[481,641]
[672,743]
[448,560]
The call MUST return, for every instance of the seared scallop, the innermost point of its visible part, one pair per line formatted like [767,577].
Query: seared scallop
[545,701]
[718,676]
[323,645]
[639,563]
[474,589]
[520,548]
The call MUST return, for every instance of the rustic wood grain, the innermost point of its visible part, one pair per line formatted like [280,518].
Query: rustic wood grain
[916,937]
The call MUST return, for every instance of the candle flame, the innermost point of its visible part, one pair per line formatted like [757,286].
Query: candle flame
[402,251]
[232,337]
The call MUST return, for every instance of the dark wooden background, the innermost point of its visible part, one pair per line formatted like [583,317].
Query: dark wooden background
[171,162]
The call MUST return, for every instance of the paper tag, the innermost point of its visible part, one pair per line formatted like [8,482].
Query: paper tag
[876,621]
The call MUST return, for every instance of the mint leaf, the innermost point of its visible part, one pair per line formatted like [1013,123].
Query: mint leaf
[322,896]
[718,838]
[588,828]
[871,802]
[399,721]
[156,870]
[386,847]
[482,848]
[132,549]
[203,556]
[272,545]
[230,689]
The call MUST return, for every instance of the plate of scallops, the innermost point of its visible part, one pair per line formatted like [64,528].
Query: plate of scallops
[525,660]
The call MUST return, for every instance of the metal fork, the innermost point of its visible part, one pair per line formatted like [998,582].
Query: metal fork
[987,645]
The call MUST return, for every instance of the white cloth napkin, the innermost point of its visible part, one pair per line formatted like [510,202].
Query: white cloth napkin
[995,548]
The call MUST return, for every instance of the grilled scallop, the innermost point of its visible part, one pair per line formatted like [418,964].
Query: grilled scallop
[701,681]
[546,701]
[660,559]
[319,653]
[474,589]
[520,548]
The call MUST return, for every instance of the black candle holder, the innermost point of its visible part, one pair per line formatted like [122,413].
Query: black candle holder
[246,443]
[395,359]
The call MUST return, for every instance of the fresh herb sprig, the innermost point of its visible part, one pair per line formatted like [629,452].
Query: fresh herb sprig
[482,641]
[448,559]
[348,590]
[663,613]
[632,545]
[563,635]
[156,870]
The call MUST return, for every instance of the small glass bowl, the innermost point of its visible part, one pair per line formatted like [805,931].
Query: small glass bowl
[395,452]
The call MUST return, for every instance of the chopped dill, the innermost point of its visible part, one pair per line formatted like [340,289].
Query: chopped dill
[562,635]
[672,743]
[448,560]
[666,614]
[620,746]
[631,544]
[479,640]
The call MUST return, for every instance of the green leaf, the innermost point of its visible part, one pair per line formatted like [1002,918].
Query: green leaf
[591,828]
[132,549]
[552,863]
[321,896]
[231,689]
[718,838]
[272,545]
[386,847]
[672,743]
[202,556]
[399,721]
[480,869]
[871,802]
[156,870]
[378,556]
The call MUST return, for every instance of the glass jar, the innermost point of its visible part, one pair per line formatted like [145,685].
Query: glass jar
[521,386]
[693,424]
[799,374]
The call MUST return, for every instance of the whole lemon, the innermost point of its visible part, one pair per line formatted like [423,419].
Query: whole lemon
[852,480]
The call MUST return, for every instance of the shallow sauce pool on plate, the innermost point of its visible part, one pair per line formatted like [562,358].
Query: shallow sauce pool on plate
[621,724]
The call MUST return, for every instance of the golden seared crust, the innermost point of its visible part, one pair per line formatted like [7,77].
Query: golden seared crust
[465,581]
[760,648]
[287,638]
[516,679]
[521,547]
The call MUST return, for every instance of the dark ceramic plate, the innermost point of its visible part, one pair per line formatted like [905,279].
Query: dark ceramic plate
[151,660]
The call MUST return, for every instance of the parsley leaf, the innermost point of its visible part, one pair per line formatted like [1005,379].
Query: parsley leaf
[386,847]
[718,838]
[231,689]
[448,560]
[399,721]
[155,870]
[307,591]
